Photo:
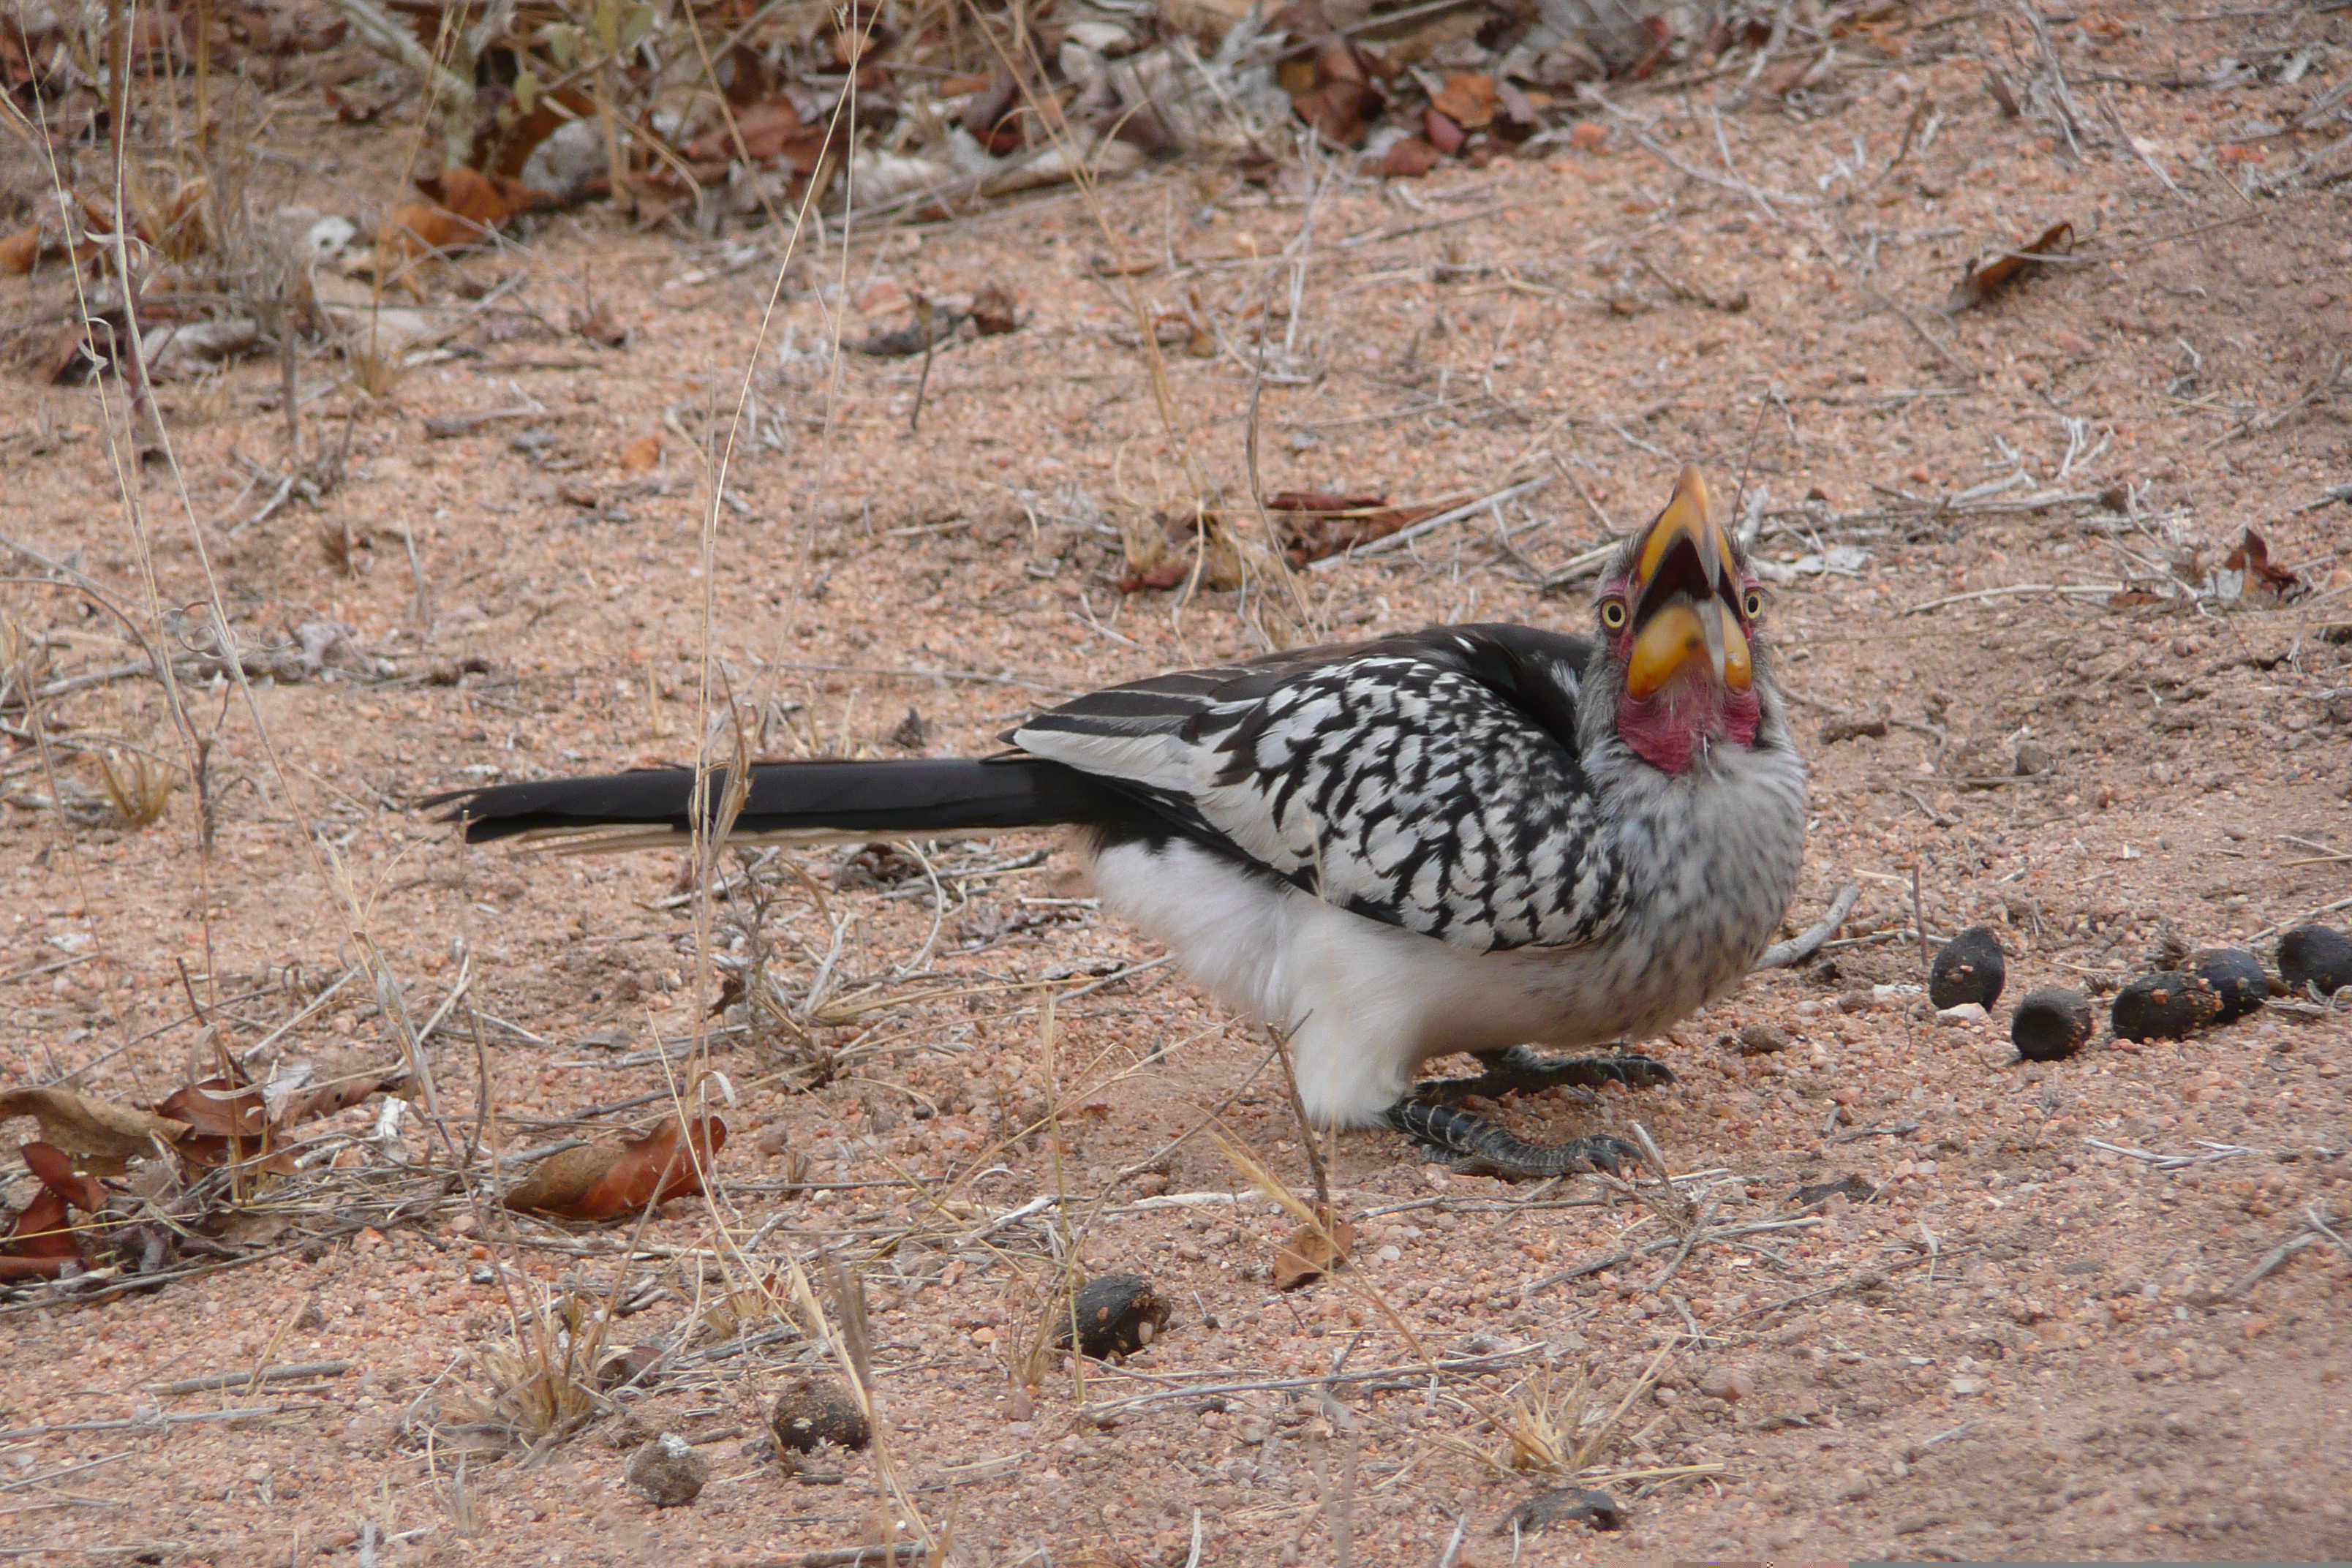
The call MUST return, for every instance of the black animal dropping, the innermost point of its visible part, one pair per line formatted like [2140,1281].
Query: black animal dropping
[2315,955]
[2236,976]
[1970,969]
[1114,1315]
[2170,1005]
[2051,1024]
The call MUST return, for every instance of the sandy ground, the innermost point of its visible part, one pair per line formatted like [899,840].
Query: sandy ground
[2029,1332]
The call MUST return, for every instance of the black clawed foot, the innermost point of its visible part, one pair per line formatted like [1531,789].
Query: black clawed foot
[1476,1146]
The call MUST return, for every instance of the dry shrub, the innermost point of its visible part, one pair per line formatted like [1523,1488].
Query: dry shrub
[339,544]
[742,1308]
[541,1381]
[137,784]
[1554,1425]
[378,366]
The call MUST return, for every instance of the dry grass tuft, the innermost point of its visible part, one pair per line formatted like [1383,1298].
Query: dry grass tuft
[1554,1426]
[742,1308]
[137,784]
[541,1382]
[24,663]
[338,544]
[377,368]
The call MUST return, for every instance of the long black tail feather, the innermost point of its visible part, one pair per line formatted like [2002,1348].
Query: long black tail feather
[909,798]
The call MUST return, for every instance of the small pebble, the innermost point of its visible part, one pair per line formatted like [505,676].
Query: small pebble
[2236,975]
[1762,1040]
[1970,969]
[1966,1012]
[1730,1383]
[814,1410]
[1114,1315]
[2315,954]
[2167,1005]
[2051,1024]
[669,1471]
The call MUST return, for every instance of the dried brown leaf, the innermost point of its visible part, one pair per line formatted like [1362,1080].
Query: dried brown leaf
[1313,1251]
[1468,98]
[20,250]
[41,1240]
[57,1172]
[326,1099]
[464,207]
[620,1176]
[84,1126]
[1341,111]
[1410,159]
[215,1108]
[1987,276]
[771,129]
[2251,556]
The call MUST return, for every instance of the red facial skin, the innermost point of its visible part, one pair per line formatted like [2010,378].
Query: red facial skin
[1667,729]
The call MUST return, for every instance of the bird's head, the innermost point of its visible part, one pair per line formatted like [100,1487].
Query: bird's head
[1677,611]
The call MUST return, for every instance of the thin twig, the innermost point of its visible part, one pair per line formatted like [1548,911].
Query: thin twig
[1797,949]
[1306,1127]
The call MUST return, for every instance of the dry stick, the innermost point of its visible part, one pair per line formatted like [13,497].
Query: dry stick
[2018,590]
[137,1422]
[267,1375]
[923,314]
[261,1362]
[1797,949]
[703,846]
[1919,924]
[1404,1374]
[1404,536]
[1306,1127]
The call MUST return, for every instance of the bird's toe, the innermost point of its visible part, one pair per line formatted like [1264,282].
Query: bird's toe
[1641,1072]
[1610,1154]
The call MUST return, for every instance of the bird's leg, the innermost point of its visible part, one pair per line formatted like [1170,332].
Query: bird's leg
[1476,1146]
[1524,1071]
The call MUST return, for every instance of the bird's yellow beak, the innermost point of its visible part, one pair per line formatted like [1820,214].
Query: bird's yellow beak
[1684,593]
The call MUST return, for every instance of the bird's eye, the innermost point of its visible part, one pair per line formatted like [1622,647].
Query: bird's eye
[1612,614]
[1753,604]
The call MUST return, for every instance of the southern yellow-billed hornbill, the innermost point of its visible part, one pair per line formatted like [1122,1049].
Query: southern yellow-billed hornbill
[1465,839]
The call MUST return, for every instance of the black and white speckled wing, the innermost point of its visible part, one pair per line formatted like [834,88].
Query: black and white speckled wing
[1430,782]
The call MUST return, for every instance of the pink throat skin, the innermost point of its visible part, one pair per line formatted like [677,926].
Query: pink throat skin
[1694,710]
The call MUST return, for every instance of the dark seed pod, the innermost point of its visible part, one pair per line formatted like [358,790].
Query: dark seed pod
[1970,969]
[2167,1005]
[2236,975]
[2051,1024]
[1115,1315]
[2316,953]
[814,1410]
